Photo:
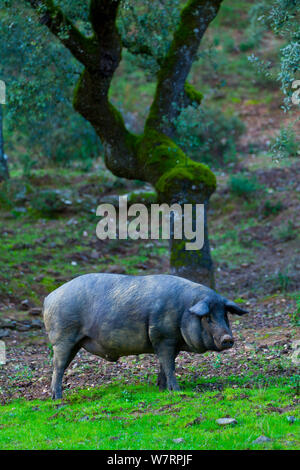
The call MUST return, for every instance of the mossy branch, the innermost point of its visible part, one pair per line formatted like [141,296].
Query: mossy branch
[192,95]
[57,22]
[195,18]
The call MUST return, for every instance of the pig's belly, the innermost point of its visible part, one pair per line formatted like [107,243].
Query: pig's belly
[114,343]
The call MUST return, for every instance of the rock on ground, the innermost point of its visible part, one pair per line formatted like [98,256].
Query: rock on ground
[224,421]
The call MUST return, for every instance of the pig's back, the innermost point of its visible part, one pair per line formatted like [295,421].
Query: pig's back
[91,298]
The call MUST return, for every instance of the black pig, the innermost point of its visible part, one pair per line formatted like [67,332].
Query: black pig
[114,315]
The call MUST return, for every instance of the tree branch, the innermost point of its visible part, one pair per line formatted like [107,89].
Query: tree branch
[57,22]
[141,49]
[91,95]
[91,101]
[100,55]
[103,15]
[195,18]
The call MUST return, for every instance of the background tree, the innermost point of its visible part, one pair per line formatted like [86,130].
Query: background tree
[282,17]
[95,35]
[41,126]
[4,173]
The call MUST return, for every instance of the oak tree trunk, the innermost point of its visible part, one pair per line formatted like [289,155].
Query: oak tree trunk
[153,156]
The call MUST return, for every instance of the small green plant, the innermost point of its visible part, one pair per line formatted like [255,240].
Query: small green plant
[208,136]
[5,196]
[244,186]
[239,300]
[286,144]
[256,28]
[282,281]
[27,163]
[229,44]
[23,373]
[294,383]
[247,45]
[218,362]
[50,347]
[285,232]
[14,192]
[272,208]
[295,315]
[127,396]
[50,202]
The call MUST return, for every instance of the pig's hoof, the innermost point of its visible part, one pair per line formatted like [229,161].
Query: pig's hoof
[162,387]
[174,387]
[162,383]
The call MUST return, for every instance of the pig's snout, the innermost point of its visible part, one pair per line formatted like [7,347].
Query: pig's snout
[226,342]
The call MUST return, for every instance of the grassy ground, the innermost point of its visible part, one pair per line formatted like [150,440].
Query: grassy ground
[119,416]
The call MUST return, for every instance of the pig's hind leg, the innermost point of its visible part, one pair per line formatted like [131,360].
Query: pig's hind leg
[64,353]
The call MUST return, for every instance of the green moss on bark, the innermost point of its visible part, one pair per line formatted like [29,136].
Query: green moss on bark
[131,140]
[168,168]
[181,257]
[76,91]
[192,177]
[193,95]
[158,153]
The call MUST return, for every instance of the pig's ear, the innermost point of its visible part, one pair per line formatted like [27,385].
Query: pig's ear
[200,309]
[234,308]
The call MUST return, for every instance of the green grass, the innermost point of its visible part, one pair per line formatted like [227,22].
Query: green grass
[229,247]
[119,416]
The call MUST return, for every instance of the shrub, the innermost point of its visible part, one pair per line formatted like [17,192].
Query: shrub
[208,135]
[285,232]
[256,28]
[247,45]
[272,208]
[286,144]
[14,192]
[282,280]
[244,186]
[27,163]
[295,315]
[50,202]
[229,44]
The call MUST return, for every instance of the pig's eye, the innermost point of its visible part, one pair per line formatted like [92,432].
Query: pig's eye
[226,319]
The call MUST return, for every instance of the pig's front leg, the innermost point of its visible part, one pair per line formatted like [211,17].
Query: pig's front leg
[166,351]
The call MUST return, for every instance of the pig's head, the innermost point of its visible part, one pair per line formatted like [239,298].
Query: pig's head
[205,325]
